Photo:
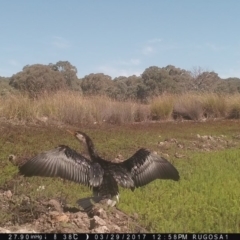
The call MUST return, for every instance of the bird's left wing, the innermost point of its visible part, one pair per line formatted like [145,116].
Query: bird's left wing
[146,166]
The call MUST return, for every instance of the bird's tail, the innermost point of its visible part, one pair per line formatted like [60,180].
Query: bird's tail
[88,203]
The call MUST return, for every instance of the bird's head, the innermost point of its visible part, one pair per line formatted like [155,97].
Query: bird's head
[79,135]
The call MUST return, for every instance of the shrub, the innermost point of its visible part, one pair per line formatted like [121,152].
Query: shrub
[214,105]
[188,106]
[162,107]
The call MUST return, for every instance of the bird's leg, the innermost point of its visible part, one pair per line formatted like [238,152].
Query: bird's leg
[112,202]
[117,197]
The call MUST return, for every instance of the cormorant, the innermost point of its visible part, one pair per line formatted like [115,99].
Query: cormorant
[101,175]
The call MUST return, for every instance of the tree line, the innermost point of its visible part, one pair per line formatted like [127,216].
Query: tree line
[38,78]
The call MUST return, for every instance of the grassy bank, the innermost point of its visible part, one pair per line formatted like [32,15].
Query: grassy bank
[205,200]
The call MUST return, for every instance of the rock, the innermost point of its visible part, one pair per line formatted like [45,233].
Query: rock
[35,216]
[25,200]
[173,140]
[24,230]
[161,143]
[101,213]
[43,119]
[58,217]
[180,145]
[62,218]
[120,157]
[55,205]
[4,230]
[164,145]
[165,155]
[80,218]
[116,228]
[101,229]
[210,138]
[178,155]
[40,188]
[12,159]
[194,142]
[79,223]
[237,136]
[53,214]
[20,230]
[96,222]
[8,194]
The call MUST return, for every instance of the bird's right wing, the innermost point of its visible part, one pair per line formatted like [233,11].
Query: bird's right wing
[65,163]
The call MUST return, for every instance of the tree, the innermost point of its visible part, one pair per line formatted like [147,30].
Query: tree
[5,88]
[69,72]
[96,84]
[181,80]
[229,85]
[205,81]
[131,87]
[118,90]
[36,79]
[158,80]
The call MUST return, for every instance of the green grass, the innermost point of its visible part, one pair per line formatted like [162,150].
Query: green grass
[205,200]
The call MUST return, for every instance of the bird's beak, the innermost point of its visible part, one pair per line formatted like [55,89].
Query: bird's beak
[72,133]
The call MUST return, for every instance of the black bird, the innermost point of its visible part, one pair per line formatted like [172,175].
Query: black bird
[101,175]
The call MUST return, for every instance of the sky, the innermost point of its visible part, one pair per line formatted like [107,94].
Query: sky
[121,38]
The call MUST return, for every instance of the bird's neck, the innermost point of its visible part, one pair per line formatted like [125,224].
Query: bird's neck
[91,150]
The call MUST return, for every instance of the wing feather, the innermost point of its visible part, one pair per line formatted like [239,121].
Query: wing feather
[65,163]
[122,176]
[146,166]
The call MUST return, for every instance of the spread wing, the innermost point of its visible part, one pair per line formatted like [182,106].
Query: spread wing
[145,166]
[65,163]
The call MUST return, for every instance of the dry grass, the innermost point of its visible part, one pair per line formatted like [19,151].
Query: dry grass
[233,104]
[214,105]
[189,106]
[208,105]
[162,107]
[73,108]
